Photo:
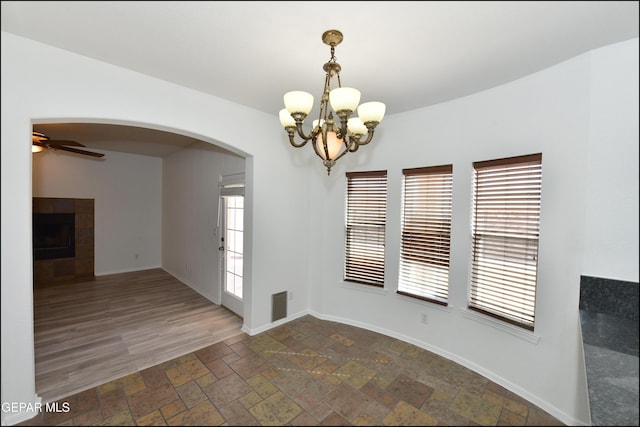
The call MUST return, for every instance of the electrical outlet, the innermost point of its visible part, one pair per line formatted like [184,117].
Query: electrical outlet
[424,318]
[290,296]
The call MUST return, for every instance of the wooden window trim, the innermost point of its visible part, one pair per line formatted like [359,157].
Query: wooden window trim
[425,241]
[505,237]
[365,227]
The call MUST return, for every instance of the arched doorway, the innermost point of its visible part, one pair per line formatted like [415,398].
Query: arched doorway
[184,188]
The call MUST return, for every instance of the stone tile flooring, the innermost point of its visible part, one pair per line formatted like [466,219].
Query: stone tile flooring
[305,372]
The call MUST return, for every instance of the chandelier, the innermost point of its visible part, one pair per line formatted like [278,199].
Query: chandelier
[330,139]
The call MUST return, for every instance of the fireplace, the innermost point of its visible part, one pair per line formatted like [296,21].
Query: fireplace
[63,240]
[54,235]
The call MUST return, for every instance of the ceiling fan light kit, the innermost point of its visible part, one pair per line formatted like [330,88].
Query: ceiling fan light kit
[331,140]
[40,141]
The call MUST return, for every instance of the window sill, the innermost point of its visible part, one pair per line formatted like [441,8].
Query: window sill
[504,327]
[425,303]
[363,287]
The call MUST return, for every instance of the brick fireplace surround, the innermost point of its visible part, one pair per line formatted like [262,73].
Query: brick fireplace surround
[81,267]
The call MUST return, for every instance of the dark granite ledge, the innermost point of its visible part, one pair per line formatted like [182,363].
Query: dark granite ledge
[610,332]
[609,321]
[612,379]
[617,298]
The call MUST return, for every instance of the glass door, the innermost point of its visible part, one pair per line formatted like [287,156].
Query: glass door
[232,248]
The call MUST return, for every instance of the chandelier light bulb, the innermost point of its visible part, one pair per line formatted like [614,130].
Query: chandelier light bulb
[315,123]
[371,112]
[333,145]
[285,119]
[344,98]
[298,101]
[356,127]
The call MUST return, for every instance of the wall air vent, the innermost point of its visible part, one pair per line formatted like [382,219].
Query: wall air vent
[278,306]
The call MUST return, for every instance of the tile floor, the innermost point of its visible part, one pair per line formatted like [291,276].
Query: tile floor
[305,372]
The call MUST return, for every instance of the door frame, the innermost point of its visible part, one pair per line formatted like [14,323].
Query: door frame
[229,185]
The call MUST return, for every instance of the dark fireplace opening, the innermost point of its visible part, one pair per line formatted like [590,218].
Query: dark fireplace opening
[54,235]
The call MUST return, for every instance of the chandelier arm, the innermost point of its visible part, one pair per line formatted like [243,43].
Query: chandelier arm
[370,131]
[315,148]
[342,133]
[348,149]
[325,143]
[358,143]
[301,132]
[369,137]
[297,145]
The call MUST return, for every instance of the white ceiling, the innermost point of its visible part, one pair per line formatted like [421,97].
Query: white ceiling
[406,54]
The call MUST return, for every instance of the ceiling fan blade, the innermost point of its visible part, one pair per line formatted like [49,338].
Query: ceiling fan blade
[64,142]
[75,150]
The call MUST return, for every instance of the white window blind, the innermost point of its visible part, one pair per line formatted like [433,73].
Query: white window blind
[426,233]
[505,227]
[366,215]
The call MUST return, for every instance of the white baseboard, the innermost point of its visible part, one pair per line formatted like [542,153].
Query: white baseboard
[127,270]
[10,418]
[289,318]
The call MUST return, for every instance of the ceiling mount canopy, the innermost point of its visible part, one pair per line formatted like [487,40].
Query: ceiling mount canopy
[330,139]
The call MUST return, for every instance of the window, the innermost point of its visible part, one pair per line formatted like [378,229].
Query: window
[426,233]
[366,216]
[505,228]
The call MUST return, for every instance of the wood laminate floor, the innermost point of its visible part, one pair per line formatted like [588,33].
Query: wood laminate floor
[92,332]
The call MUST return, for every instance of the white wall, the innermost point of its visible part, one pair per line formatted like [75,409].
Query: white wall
[551,112]
[611,232]
[79,89]
[190,237]
[127,189]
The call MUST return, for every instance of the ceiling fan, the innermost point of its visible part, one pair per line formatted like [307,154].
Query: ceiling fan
[40,141]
